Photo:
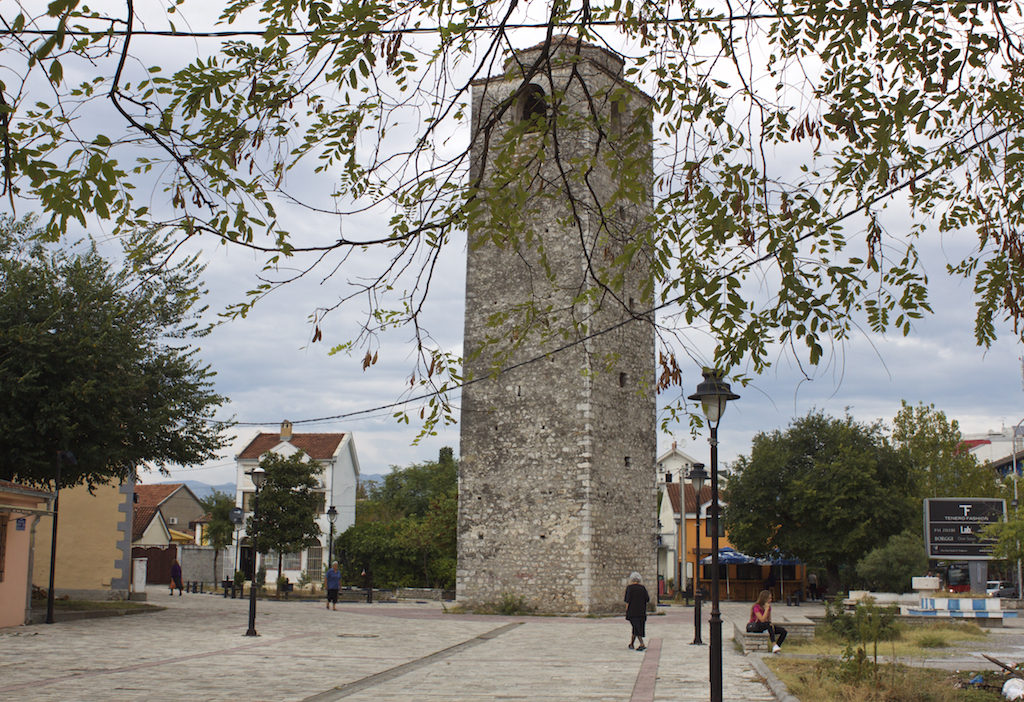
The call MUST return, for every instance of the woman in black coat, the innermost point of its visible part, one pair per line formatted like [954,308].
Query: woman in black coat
[636,600]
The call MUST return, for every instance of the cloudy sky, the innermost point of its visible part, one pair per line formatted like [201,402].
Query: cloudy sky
[269,369]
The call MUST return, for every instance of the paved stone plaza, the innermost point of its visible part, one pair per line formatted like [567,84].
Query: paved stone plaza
[195,650]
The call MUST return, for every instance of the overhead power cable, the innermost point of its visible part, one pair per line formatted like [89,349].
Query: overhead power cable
[647,315]
[708,19]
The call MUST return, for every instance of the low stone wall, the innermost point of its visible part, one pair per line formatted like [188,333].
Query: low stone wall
[424,593]
[797,629]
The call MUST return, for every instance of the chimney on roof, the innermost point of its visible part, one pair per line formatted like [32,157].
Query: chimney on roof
[286,430]
[673,445]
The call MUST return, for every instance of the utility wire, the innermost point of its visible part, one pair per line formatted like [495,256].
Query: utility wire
[710,19]
[644,316]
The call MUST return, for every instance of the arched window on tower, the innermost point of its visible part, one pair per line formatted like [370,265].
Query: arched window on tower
[533,107]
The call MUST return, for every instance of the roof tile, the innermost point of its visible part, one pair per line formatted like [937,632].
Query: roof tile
[153,495]
[319,447]
[142,515]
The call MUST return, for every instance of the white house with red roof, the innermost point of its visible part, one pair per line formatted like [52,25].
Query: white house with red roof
[672,468]
[336,453]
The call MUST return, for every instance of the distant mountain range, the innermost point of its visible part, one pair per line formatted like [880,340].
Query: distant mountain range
[204,490]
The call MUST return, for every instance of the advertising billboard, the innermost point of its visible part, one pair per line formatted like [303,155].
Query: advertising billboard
[952,527]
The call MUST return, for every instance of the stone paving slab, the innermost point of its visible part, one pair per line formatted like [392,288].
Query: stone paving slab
[196,650]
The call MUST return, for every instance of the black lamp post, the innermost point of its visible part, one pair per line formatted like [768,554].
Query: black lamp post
[713,394]
[697,477]
[332,517]
[258,476]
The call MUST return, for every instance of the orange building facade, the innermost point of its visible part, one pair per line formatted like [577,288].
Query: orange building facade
[679,552]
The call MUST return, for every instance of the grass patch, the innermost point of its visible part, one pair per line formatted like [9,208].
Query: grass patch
[911,640]
[829,680]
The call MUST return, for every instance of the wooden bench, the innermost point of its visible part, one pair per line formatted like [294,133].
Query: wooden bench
[797,629]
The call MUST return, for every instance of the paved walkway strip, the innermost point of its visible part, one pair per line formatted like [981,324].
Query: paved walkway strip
[647,676]
[151,664]
[350,688]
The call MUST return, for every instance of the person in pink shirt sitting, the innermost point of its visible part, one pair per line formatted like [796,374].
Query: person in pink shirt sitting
[761,620]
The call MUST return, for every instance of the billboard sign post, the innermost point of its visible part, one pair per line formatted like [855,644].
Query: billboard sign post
[952,527]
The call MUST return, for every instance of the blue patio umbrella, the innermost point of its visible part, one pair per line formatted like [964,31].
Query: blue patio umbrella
[729,556]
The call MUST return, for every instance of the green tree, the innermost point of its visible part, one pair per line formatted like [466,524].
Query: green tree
[874,104]
[931,445]
[96,360]
[1009,537]
[405,531]
[287,505]
[826,491]
[890,568]
[410,491]
[221,530]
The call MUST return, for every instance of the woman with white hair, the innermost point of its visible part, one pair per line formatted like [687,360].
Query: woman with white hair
[636,600]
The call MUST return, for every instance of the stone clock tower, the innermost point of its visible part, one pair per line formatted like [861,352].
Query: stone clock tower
[557,500]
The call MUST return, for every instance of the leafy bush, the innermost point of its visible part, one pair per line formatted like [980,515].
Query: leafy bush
[512,604]
[891,567]
[868,622]
[240,577]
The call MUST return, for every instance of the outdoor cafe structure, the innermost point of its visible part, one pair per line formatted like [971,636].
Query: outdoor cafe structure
[741,577]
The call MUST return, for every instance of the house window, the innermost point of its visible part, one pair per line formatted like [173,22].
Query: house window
[707,527]
[321,503]
[247,501]
[3,544]
[315,562]
[172,520]
[290,561]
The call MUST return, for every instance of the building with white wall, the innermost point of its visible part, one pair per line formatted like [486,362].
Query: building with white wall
[672,468]
[336,454]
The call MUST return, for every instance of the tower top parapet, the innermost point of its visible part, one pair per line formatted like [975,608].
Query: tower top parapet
[563,49]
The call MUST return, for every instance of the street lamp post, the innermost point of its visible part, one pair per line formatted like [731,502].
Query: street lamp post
[332,517]
[237,516]
[1016,502]
[713,394]
[679,544]
[697,477]
[258,476]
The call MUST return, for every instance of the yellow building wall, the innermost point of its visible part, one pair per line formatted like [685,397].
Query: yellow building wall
[91,539]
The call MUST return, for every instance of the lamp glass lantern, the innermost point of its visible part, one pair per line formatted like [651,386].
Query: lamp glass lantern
[697,477]
[713,394]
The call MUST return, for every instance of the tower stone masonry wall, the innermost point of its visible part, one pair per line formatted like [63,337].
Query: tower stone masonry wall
[557,501]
